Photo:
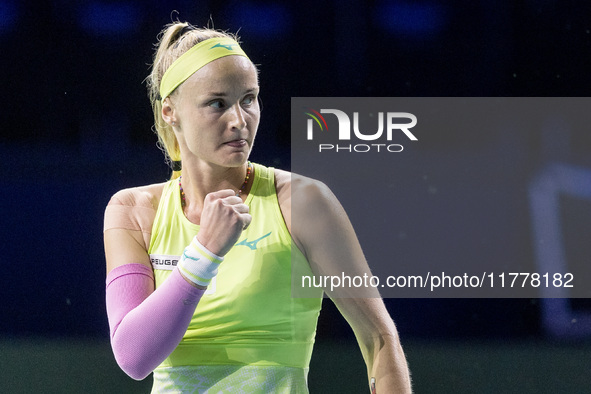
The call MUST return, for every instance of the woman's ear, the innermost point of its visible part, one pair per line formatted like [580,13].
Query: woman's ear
[168,112]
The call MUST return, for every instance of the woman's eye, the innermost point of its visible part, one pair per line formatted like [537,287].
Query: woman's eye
[248,100]
[217,104]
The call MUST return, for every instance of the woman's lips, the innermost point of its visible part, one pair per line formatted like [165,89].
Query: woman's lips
[236,143]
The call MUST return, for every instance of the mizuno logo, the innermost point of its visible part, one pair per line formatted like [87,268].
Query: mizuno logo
[227,46]
[252,244]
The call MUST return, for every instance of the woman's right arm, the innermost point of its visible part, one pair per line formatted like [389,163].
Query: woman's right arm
[145,324]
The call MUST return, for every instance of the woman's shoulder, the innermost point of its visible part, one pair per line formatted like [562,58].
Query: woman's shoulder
[318,211]
[147,196]
[309,198]
[134,209]
[128,221]
[287,182]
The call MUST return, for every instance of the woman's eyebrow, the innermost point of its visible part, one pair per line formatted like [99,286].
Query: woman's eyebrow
[216,94]
[224,94]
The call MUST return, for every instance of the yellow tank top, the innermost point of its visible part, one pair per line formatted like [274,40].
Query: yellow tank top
[247,316]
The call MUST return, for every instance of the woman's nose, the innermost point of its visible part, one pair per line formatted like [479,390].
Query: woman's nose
[238,120]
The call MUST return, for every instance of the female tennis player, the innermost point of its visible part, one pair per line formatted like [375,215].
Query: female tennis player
[199,269]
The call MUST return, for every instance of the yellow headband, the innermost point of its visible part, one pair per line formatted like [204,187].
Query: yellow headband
[195,58]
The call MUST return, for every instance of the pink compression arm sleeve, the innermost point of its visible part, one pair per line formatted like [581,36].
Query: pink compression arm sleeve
[147,325]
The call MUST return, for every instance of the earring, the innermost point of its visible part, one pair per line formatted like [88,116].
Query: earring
[173,123]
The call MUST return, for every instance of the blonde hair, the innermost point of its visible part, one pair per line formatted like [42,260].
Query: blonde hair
[173,41]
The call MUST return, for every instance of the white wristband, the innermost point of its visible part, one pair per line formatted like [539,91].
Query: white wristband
[198,264]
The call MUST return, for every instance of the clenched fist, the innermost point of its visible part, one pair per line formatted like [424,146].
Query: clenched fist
[223,218]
